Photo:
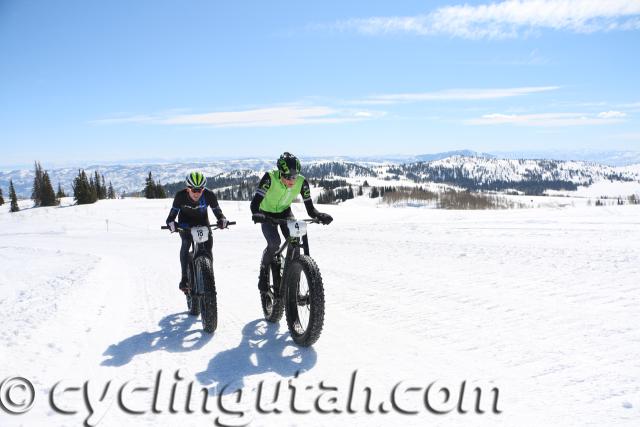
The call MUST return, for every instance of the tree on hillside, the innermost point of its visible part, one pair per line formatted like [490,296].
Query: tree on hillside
[160,192]
[1,198]
[60,193]
[149,187]
[36,191]
[153,189]
[83,190]
[42,192]
[47,195]
[100,186]
[103,189]
[14,198]
[111,194]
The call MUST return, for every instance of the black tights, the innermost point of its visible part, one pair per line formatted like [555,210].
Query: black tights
[270,232]
[184,250]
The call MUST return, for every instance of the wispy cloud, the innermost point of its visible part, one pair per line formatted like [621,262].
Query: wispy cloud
[549,119]
[508,19]
[456,95]
[259,117]
[612,115]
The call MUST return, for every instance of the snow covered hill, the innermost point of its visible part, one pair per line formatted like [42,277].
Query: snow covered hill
[481,171]
[468,171]
[540,304]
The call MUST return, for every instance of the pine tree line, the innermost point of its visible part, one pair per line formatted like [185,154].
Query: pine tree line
[332,196]
[1,198]
[336,169]
[328,184]
[42,192]
[87,190]
[153,189]
[244,191]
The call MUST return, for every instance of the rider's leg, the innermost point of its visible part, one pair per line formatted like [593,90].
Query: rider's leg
[209,245]
[184,258]
[272,237]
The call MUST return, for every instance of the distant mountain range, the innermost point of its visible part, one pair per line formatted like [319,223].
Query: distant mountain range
[464,168]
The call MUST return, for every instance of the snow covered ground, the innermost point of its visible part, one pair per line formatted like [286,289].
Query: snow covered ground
[540,303]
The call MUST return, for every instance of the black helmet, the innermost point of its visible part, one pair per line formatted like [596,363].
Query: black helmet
[288,165]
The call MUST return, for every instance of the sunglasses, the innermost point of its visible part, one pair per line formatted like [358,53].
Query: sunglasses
[289,177]
[196,190]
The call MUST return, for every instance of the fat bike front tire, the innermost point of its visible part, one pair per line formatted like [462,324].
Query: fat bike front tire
[208,300]
[304,300]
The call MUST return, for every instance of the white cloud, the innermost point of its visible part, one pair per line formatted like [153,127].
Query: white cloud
[545,119]
[458,95]
[508,19]
[260,117]
[612,114]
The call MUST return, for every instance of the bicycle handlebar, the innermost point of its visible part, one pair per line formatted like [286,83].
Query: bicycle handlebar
[285,221]
[187,228]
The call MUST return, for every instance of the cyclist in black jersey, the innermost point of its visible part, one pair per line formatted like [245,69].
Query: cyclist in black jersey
[190,207]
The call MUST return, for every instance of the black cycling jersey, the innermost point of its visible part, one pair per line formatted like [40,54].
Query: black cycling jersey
[194,213]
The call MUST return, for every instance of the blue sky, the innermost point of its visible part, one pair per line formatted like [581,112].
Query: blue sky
[114,80]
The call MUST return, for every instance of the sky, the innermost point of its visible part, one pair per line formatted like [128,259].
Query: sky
[115,80]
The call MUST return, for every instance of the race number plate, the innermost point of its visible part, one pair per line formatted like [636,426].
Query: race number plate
[297,228]
[200,234]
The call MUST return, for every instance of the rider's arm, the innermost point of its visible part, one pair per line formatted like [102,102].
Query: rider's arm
[212,201]
[263,187]
[175,209]
[305,192]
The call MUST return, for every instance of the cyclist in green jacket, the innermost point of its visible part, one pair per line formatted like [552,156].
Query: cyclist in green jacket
[276,191]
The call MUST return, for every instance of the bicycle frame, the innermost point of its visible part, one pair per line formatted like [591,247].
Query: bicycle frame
[292,245]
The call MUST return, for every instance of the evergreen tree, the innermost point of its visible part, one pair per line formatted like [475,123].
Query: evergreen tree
[93,190]
[83,192]
[149,188]
[47,195]
[1,198]
[36,192]
[103,189]
[360,193]
[60,194]
[14,198]
[374,192]
[111,194]
[350,194]
[365,183]
[159,191]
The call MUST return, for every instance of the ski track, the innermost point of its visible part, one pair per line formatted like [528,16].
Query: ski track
[540,302]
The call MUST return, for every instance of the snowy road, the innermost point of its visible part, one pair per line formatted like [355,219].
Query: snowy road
[540,303]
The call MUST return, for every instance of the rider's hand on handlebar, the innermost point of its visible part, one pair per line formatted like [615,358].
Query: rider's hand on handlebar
[324,218]
[258,217]
[172,226]
[222,222]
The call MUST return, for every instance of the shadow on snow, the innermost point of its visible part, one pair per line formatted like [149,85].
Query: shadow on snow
[174,336]
[262,350]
